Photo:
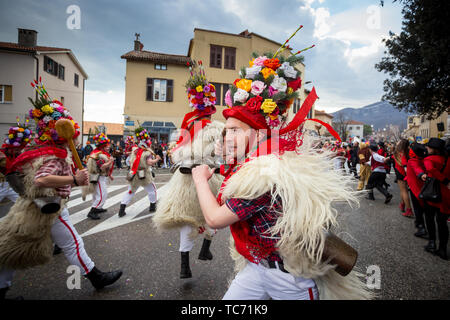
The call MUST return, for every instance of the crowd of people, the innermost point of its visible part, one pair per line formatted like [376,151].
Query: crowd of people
[415,165]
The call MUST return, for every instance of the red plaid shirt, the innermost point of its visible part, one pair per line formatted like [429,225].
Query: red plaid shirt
[57,167]
[261,215]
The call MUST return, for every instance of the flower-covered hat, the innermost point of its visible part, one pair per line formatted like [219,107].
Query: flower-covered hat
[101,139]
[129,142]
[201,93]
[46,112]
[18,136]
[142,137]
[263,94]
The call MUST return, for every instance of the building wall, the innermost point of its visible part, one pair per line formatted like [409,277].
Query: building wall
[354,132]
[136,106]
[17,70]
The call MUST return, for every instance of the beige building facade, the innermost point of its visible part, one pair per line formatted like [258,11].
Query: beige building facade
[22,62]
[155,96]
[420,126]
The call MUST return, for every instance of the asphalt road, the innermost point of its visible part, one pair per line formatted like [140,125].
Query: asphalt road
[151,262]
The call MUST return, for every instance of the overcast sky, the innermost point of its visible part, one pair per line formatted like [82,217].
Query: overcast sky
[348,37]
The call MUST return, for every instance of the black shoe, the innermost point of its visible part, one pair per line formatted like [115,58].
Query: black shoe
[102,279]
[370,196]
[56,250]
[421,233]
[185,268]
[431,246]
[93,214]
[101,210]
[205,254]
[441,253]
[152,207]
[122,210]
[388,198]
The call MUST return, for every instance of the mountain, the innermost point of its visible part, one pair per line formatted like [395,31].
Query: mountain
[379,114]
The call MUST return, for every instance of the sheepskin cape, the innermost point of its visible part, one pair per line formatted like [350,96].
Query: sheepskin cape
[307,186]
[25,233]
[135,183]
[92,168]
[179,206]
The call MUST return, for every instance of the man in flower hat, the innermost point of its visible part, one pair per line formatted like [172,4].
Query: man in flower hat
[27,233]
[142,158]
[100,165]
[277,192]
[179,207]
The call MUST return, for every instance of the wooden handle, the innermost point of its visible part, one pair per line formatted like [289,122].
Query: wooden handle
[75,154]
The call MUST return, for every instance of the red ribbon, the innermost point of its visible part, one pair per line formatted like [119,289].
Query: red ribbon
[136,162]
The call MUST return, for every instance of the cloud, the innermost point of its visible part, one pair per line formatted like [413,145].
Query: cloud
[104,106]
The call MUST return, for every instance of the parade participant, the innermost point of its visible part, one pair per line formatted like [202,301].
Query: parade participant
[414,169]
[18,138]
[364,165]
[377,178]
[194,146]
[277,192]
[436,167]
[338,157]
[142,158]
[400,159]
[27,233]
[129,144]
[100,165]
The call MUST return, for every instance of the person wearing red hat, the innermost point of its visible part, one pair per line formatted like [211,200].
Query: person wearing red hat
[277,192]
[28,232]
[436,167]
[100,165]
[195,145]
[142,158]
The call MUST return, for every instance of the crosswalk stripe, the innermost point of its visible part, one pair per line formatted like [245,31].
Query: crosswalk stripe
[132,211]
[82,214]
[73,203]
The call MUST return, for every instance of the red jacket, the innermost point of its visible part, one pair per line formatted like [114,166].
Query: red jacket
[401,166]
[433,166]
[414,168]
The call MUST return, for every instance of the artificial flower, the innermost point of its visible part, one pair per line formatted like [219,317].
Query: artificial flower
[37,113]
[47,109]
[289,71]
[266,72]
[252,72]
[279,84]
[244,84]
[199,89]
[228,100]
[254,104]
[274,123]
[212,87]
[272,91]
[268,106]
[259,61]
[206,89]
[295,84]
[273,64]
[257,87]
[47,119]
[240,95]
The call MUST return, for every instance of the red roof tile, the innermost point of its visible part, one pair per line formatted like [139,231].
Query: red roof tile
[156,57]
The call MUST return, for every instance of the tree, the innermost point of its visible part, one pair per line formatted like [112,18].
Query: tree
[367,130]
[417,60]
[340,125]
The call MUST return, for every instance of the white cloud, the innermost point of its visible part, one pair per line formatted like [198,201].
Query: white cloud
[104,106]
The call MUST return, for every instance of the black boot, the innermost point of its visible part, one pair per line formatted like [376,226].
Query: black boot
[101,210]
[101,279]
[122,210]
[93,214]
[385,193]
[370,195]
[205,254]
[431,246]
[56,250]
[421,232]
[185,268]
[152,207]
[442,252]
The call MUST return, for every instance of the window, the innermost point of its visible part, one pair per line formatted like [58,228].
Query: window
[75,80]
[5,94]
[225,88]
[50,66]
[358,127]
[215,57]
[61,72]
[159,90]
[160,66]
[350,128]
[230,58]
[218,87]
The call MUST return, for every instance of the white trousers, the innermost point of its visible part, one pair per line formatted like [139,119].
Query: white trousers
[7,192]
[151,191]
[65,236]
[100,193]
[186,242]
[256,282]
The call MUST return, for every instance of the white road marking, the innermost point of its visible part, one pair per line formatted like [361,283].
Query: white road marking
[73,203]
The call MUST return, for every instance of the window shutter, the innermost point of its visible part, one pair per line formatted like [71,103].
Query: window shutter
[218,87]
[169,90]
[7,93]
[225,88]
[55,68]
[149,89]
[230,58]
[45,63]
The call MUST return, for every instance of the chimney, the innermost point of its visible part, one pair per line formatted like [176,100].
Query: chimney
[137,44]
[27,38]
